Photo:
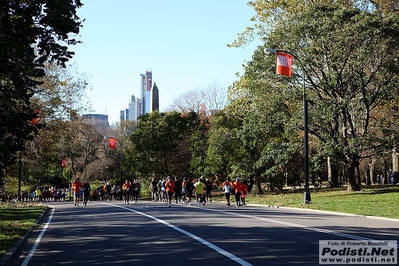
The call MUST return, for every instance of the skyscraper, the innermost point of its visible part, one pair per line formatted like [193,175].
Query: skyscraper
[132,109]
[146,85]
[154,98]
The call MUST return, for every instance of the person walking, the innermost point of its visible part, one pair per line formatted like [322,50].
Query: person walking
[136,187]
[227,189]
[199,191]
[126,191]
[76,186]
[170,190]
[86,192]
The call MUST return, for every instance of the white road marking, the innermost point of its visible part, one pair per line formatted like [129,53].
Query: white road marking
[37,241]
[199,239]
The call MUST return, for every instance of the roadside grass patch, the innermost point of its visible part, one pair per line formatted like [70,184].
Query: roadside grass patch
[382,201]
[16,219]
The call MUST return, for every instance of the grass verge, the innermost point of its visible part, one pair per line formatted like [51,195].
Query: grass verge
[15,220]
[381,201]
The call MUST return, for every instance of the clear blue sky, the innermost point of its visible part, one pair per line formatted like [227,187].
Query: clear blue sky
[184,42]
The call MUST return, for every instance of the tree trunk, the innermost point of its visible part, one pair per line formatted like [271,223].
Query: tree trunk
[368,178]
[332,171]
[353,185]
[258,183]
[358,178]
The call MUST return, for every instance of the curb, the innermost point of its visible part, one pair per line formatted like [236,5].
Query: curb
[327,212]
[9,254]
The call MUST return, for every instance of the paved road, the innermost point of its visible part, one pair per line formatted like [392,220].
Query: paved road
[147,233]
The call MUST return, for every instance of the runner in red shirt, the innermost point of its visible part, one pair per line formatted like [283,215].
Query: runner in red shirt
[170,189]
[76,186]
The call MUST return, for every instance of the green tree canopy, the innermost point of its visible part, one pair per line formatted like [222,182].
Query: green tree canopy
[31,33]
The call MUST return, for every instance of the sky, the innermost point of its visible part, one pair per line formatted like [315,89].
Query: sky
[183,42]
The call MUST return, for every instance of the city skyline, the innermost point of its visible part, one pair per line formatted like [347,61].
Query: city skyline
[148,102]
[185,48]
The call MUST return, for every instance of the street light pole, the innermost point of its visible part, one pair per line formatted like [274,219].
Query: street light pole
[306,197]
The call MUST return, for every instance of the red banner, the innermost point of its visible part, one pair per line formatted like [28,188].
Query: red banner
[112,143]
[284,64]
[34,120]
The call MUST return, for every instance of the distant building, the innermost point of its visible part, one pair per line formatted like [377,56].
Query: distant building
[101,121]
[132,109]
[154,98]
[139,107]
[148,102]
[146,85]
[127,114]
[122,115]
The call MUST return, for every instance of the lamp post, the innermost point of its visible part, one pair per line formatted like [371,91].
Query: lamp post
[19,176]
[121,172]
[306,197]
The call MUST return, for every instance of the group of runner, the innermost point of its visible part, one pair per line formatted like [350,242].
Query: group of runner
[238,189]
[131,191]
[182,191]
[78,188]
[166,188]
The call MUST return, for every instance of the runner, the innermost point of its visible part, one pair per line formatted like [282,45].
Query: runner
[154,189]
[86,192]
[170,190]
[238,188]
[178,189]
[76,186]
[189,188]
[136,187]
[199,191]
[126,191]
[227,188]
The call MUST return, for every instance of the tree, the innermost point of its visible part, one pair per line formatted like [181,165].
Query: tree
[31,33]
[206,101]
[257,130]
[350,60]
[160,145]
